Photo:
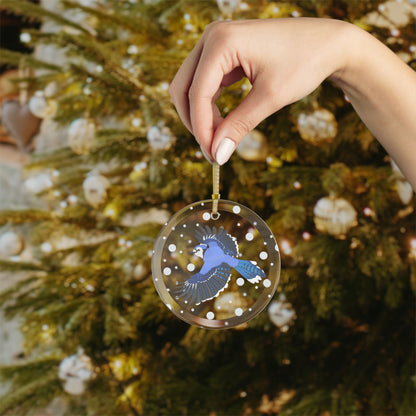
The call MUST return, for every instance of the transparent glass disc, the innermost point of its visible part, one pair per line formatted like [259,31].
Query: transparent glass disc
[216,271]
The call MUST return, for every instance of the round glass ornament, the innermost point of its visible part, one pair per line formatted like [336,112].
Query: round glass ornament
[217,270]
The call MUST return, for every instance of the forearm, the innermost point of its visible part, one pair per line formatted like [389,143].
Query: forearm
[382,90]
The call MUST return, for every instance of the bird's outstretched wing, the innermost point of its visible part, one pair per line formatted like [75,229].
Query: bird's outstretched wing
[202,287]
[227,242]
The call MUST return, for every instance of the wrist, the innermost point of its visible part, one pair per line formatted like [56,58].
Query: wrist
[349,44]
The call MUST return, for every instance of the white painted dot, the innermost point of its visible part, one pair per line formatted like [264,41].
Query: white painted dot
[249,236]
[206,216]
[169,306]
[263,255]
[236,209]
[190,267]
[172,248]
[276,248]
[238,312]
[210,315]
[240,281]
[267,283]
[167,271]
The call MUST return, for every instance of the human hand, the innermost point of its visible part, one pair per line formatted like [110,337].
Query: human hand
[284,59]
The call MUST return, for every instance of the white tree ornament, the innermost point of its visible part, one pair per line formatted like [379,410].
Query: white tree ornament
[317,127]
[281,312]
[159,137]
[76,370]
[253,147]
[95,189]
[334,216]
[11,244]
[81,135]
[42,107]
[228,7]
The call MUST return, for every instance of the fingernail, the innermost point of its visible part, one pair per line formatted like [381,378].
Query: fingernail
[207,156]
[225,150]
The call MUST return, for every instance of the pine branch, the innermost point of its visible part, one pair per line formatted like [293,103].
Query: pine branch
[10,297]
[14,266]
[136,23]
[16,59]
[36,12]
[39,383]
[100,53]
[59,158]
[27,369]
[24,216]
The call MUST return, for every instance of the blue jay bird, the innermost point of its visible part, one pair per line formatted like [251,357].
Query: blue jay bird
[219,251]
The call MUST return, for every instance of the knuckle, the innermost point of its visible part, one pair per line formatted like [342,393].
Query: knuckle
[241,127]
[210,26]
[219,33]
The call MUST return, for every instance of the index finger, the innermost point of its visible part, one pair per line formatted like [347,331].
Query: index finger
[203,92]
[179,87]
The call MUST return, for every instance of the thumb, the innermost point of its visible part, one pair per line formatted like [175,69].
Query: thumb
[244,118]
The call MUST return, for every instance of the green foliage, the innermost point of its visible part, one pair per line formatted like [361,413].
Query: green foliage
[36,384]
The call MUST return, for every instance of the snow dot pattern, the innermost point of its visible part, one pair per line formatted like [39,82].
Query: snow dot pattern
[216,272]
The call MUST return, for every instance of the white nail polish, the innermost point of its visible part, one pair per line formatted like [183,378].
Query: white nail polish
[207,156]
[225,150]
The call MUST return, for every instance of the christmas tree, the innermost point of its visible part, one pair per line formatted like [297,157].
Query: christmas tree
[338,336]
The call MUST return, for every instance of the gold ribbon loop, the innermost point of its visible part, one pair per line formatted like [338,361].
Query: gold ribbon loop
[215,190]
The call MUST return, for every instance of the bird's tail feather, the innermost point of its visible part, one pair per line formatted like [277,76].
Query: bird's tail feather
[250,271]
